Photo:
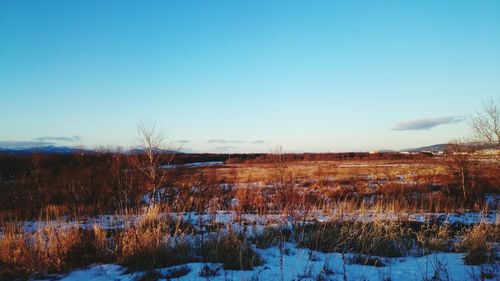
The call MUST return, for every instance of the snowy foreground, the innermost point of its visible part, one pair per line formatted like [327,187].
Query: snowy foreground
[293,263]
[303,264]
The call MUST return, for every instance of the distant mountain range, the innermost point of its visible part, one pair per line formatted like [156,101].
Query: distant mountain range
[52,149]
[141,150]
[45,149]
[70,150]
[434,147]
[442,147]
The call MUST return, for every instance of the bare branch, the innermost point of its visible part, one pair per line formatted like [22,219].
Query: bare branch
[153,156]
[486,122]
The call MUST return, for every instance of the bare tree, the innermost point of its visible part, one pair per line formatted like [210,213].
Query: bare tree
[486,122]
[280,177]
[459,161]
[149,162]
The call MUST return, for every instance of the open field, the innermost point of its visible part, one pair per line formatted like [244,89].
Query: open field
[292,217]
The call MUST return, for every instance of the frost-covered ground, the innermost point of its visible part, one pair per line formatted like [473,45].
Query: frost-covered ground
[292,263]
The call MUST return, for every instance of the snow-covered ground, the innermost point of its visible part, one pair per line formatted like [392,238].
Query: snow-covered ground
[292,263]
[109,222]
[193,165]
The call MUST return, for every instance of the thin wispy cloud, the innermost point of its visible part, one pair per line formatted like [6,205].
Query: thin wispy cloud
[258,141]
[59,139]
[426,123]
[39,142]
[24,144]
[182,141]
[225,148]
[222,141]
[217,141]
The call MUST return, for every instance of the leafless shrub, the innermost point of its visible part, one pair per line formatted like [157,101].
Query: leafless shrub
[280,178]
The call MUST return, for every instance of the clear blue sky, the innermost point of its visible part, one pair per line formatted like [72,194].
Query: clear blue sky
[246,76]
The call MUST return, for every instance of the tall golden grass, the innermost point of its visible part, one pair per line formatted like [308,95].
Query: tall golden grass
[157,241]
[479,243]
[48,249]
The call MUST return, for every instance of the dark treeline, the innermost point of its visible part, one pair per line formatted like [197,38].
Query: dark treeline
[92,182]
[32,182]
[295,157]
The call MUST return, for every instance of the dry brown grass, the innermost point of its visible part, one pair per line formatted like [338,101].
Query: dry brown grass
[348,187]
[379,238]
[52,245]
[14,252]
[49,249]
[233,251]
[421,169]
[100,240]
[436,237]
[151,244]
[145,244]
[479,243]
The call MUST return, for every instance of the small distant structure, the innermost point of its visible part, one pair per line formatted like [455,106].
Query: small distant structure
[381,151]
[434,152]
[437,149]
[409,152]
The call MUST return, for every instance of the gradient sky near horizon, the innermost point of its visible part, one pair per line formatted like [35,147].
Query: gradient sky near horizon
[246,76]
